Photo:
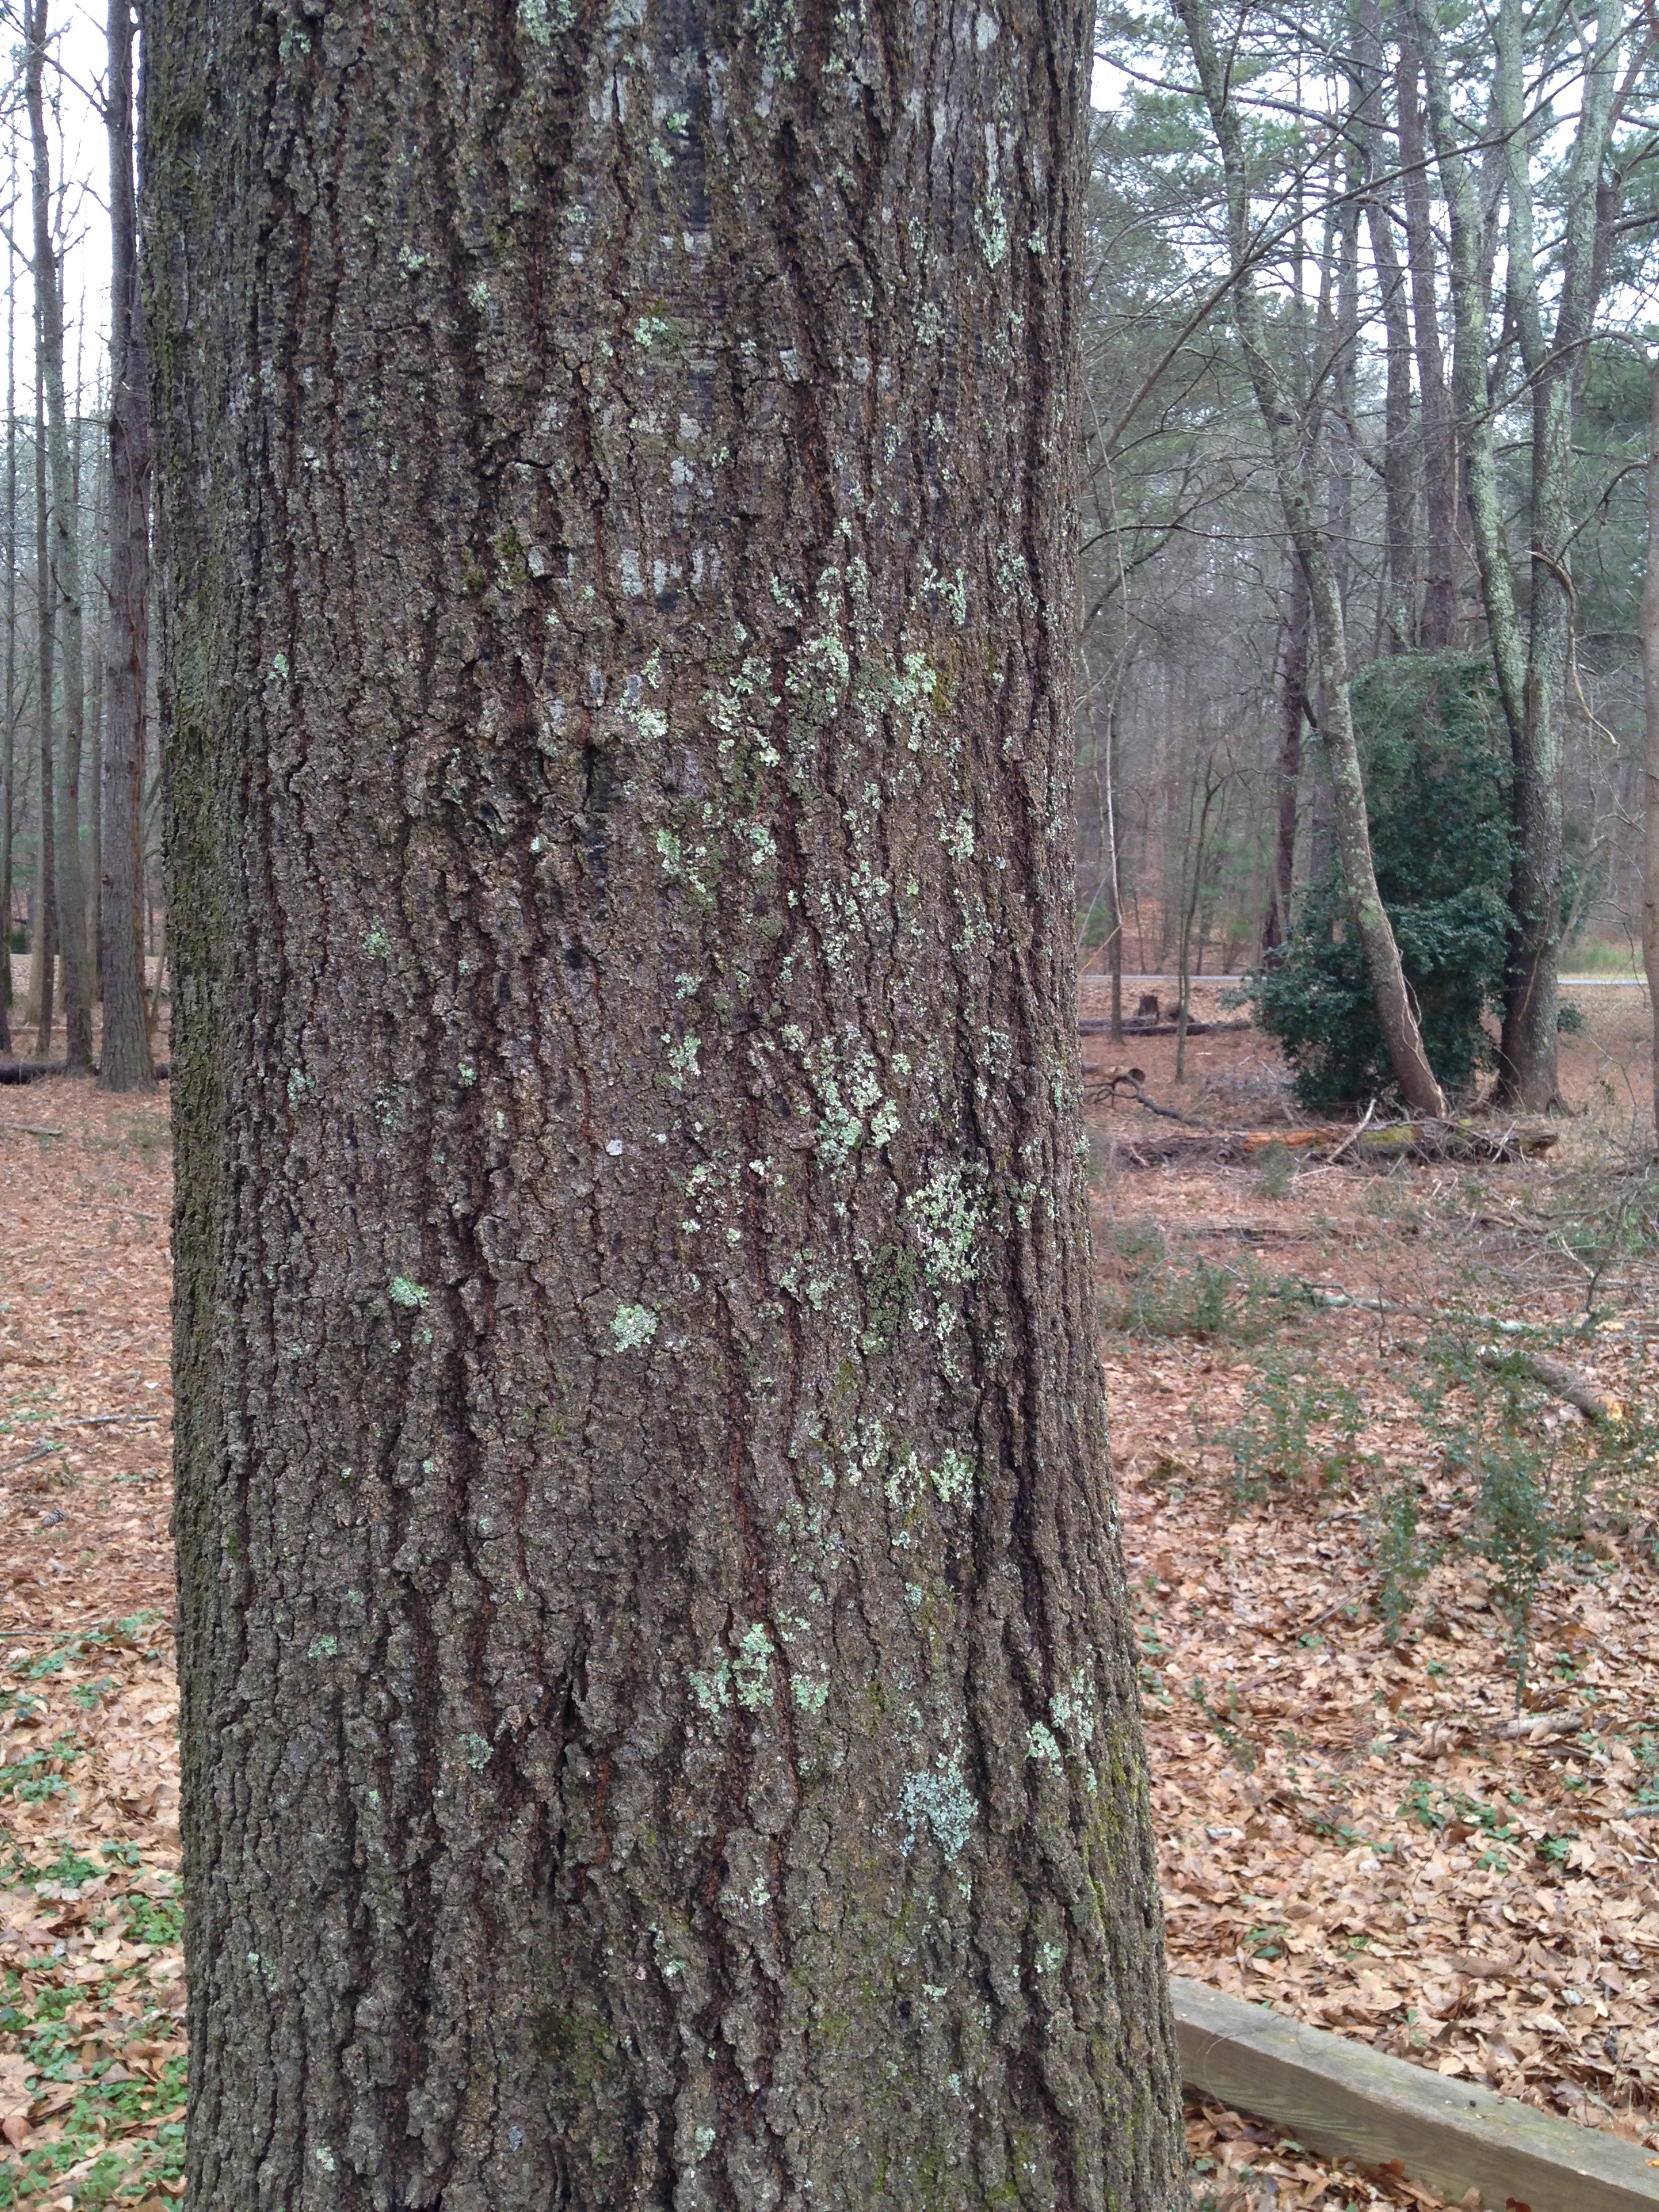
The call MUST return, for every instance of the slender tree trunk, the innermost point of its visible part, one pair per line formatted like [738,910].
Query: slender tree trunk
[97,539]
[1441,456]
[42,981]
[1399,587]
[1293,710]
[65,563]
[124,1063]
[658,1701]
[1395,1016]
[1344,342]
[1466,268]
[1115,877]
[1650,712]
[1555,365]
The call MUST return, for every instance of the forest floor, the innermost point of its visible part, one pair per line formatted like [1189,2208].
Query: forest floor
[1398,1608]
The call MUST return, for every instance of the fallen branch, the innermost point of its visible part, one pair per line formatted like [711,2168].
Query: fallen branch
[1593,1403]
[41,1451]
[101,1420]
[1417,1141]
[1131,1027]
[34,1071]
[1107,1081]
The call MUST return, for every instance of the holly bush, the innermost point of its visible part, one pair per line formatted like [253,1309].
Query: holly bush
[1435,755]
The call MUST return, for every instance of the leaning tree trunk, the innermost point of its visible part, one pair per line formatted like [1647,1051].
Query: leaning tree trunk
[65,564]
[659,1703]
[123,1059]
[1396,1015]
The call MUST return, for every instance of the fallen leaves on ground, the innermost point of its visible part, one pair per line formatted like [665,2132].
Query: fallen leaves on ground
[1361,1823]
[92,2045]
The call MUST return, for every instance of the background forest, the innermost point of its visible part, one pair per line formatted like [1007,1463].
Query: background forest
[1424,364]
[1458,388]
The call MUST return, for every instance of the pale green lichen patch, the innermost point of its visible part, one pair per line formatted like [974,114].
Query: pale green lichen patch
[475,1749]
[1040,1744]
[811,1697]
[403,1292]
[377,941]
[953,1479]
[713,1689]
[957,838]
[633,1327]
[936,1799]
[947,1213]
[682,1060]
[752,1669]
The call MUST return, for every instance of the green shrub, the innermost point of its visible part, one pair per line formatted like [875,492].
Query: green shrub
[1437,786]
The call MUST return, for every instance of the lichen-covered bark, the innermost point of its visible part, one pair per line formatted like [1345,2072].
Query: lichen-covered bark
[660,1718]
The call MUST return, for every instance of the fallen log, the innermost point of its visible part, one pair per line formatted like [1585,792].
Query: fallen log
[34,1071]
[1094,1026]
[1592,1401]
[1423,1142]
[1341,2098]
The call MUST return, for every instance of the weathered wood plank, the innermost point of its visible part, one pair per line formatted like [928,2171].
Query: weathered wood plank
[1340,2097]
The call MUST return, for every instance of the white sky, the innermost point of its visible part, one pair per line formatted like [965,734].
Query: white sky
[80,180]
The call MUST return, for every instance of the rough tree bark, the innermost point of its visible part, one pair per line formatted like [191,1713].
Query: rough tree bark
[1396,1015]
[1650,714]
[123,1059]
[658,1705]
[8,705]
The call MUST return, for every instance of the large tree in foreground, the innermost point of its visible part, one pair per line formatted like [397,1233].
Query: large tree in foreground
[658,1710]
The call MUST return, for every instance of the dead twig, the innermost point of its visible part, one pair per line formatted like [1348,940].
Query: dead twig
[1359,1132]
[101,1420]
[1109,1081]
[41,1451]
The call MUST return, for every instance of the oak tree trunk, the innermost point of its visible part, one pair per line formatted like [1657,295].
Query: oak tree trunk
[1650,716]
[658,1705]
[123,1059]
